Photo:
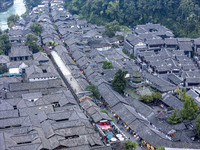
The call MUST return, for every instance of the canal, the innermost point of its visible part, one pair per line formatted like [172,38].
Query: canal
[18,8]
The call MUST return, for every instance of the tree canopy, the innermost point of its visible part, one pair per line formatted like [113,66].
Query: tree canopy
[129,145]
[119,81]
[111,28]
[3,69]
[51,44]
[5,44]
[182,93]
[190,108]
[12,19]
[36,28]
[147,98]
[157,96]
[31,42]
[32,3]
[174,118]
[197,125]
[161,148]
[94,89]
[181,16]
[107,64]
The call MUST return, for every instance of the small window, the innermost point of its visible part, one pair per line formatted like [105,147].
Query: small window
[72,137]
[27,142]
[15,107]
[44,71]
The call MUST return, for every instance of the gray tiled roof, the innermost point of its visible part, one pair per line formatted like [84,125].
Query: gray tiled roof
[109,95]
[4,59]
[172,101]
[20,51]
[35,85]
[40,56]
[175,79]
[159,83]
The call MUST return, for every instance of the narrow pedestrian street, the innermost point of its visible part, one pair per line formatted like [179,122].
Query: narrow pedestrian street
[122,128]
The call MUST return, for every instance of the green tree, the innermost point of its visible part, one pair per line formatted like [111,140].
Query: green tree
[111,28]
[178,90]
[129,55]
[107,64]
[157,96]
[36,28]
[5,44]
[129,145]
[104,111]
[31,42]
[12,19]
[147,98]
[32,3]
[51,44]
[181,16]
[119,81]
[174,118]
[190,108]
[183,94]
[31,38]
[197,125]
[161,148]
[3,69]
[94,89]
[126,30]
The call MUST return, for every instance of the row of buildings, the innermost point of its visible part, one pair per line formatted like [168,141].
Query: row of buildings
[87,49]
[160,53]
[37,110]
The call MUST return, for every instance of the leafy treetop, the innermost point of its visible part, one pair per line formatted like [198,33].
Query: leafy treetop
[155,97]
[129,145]
[36,28]
[197,125]
[174,118]
[111,28]
[181,16]
[161,148]
[5,44]
[182,93]
[3,69]
[31,42]
[147,98]
[107,64]
[190,108]
[94,89]
[119,81]
[12,19]
[32,3]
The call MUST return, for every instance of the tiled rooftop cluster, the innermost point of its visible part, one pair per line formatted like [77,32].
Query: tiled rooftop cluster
[160,53]
[85,52]
[38,112]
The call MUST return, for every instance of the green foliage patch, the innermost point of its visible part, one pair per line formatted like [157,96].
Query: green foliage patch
[181,16]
